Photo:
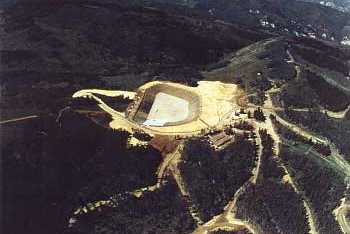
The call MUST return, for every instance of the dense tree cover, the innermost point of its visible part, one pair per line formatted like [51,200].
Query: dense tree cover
[185,75]
[311,90]
[322,55]
[141,135]
[269,167]
[331,97]
[84,103]
[259,115]
[49,169]
[123,40]
[298,93]
[119,103]
[291,135]
[243,125]
[237,231]
[250,206]
[337,130]
[162,211]
[90,108]
[212,177]
[258,99]
[29,93]
[272,205]
[322,186]
[101,118]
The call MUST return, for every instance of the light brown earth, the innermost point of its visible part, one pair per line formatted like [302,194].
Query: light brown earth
[216,101]
[18,119]
[109,93]
[165,144]
[340,215]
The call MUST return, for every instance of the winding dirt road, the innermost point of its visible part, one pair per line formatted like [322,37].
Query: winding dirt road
[256,170]
[113,201]
[173,166]
[296,66]
[341,217]
[227,219]
[128,124]
[337,115]
[268,125]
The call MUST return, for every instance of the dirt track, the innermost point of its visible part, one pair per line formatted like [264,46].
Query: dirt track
[217,117]
[277,140]
[341,217]
[18,119]
[112,201]
[215,97]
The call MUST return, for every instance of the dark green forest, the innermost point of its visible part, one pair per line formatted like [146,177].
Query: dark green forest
[212,177]
[264,202]
[337,130]
[322,186]
[162,211]
[53,168]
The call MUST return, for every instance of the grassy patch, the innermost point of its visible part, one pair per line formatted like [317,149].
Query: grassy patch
[334,162]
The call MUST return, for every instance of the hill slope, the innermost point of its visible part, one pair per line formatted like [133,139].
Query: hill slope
[341,5]
[278,16]
[111,39]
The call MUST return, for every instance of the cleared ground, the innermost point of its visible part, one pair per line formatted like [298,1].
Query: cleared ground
[109,93]
[166,108]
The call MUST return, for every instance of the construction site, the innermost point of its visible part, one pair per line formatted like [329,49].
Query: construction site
[165,108]
[164,104]
[172,114]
